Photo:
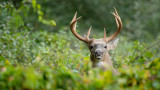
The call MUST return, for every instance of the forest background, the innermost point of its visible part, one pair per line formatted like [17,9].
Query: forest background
[38,50]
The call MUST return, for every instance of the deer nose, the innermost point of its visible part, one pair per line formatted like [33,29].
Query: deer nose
[98,52]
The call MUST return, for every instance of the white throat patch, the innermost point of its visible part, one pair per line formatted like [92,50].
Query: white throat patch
[98,64]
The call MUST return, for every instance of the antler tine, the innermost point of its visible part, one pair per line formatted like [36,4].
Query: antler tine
[119,25]
[75,15]
[74,23]
[115,17]
[105,33]
[73,29]
[87,37]
[118,19]
[115,11]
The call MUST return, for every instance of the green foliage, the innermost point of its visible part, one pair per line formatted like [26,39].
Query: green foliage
[140,17]
[37,8]
[39,59]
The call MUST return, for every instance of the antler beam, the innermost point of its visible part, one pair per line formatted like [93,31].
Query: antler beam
[73,29]
[119,25]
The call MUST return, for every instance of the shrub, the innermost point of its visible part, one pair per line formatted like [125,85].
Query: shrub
[47,60]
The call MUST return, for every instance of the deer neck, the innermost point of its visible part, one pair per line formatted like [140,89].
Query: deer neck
[104,63]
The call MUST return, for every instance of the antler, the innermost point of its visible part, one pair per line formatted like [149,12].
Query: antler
[119,25]
[73,29]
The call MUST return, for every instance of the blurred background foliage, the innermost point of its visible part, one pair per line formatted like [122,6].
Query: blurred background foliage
[140,18]
[38,51]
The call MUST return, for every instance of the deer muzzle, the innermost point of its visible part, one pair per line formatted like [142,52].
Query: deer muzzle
[98,54]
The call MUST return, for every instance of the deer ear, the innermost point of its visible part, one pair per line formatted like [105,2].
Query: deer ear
[112,44]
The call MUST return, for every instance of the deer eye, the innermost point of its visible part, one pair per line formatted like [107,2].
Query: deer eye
[105,46]
[91,47]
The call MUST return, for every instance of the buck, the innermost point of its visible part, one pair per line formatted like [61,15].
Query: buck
[99,47]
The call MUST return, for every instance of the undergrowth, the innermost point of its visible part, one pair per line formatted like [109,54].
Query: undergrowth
[46,60]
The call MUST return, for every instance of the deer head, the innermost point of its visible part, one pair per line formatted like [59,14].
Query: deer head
[99,47]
